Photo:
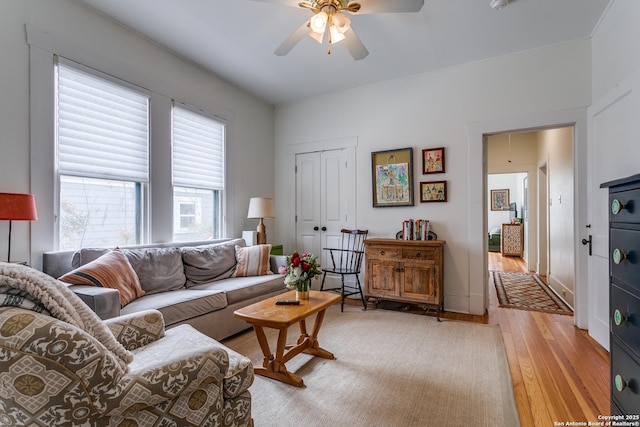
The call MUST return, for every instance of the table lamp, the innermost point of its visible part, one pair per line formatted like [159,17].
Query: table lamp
[261,207]
[17,207]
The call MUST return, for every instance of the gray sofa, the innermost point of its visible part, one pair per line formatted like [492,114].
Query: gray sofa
[189,283]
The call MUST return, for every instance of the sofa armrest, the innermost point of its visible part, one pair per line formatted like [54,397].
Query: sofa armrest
[138,329]
[104,301]
[67,364]
[277,261]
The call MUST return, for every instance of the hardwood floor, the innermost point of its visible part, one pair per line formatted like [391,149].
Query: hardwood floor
[559,372]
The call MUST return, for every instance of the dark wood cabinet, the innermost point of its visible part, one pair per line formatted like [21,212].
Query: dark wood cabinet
[624,294]
[405,270]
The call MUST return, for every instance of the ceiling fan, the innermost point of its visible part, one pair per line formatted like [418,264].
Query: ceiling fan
[331,21]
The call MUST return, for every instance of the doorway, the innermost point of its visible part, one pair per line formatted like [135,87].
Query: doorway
[515,161]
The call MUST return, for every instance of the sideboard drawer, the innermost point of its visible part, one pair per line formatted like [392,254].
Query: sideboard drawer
[420,254]
[625,321]
[625,378]
[383,252]
[624,256]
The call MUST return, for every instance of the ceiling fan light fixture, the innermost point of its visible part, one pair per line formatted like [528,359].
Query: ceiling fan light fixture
[342,22]
[318,22]
[336,35]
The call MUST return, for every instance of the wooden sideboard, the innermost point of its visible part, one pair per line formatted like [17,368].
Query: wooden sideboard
[408,271]
[512,239]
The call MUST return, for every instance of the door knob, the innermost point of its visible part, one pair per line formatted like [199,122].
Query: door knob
[587,242]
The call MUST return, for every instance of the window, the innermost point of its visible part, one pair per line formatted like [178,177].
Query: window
[102,132]
[198,175]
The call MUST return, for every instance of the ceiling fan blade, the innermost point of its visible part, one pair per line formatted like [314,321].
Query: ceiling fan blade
[293,39]
[292,3]
[388,6]
[354,45]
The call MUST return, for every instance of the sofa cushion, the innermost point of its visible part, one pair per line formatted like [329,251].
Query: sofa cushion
[159,269]
[252,261]
[207,263]
[240,289]
[180,305]
[86,255]
[111,270]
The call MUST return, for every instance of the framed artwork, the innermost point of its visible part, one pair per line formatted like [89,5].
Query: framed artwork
[433,191]
[433,160]
[392,176]
[500,200]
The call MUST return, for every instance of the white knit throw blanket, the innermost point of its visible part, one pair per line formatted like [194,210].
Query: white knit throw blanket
[63,304]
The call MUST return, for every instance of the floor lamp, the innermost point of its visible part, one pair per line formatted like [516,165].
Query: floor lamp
[17,207]
[260,207]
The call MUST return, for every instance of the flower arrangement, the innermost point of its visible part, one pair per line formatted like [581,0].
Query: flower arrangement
[300,270]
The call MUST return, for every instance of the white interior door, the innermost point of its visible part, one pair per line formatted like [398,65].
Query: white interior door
[613,130]
[325,200]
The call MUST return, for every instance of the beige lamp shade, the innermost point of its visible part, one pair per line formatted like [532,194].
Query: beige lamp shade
[261,207]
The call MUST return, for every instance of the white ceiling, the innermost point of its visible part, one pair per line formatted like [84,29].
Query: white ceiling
[236,38]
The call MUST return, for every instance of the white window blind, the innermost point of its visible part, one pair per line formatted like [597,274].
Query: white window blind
[103,127]
[198,150]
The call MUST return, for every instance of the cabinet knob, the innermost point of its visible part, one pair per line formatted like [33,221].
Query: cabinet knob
[617,206]
[381,252]
[620,383]
[619,318]
[618,256]
[418,255]
[316,228]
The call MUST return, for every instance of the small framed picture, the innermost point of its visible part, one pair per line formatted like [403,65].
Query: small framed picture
[500,200]
[433,160]
[433,191]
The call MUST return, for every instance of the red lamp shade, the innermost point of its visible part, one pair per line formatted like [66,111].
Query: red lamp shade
[20,207]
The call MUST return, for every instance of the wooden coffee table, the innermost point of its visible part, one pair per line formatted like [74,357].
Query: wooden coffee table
[266,314]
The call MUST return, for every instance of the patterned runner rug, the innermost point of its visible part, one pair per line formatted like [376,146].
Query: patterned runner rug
[527,292]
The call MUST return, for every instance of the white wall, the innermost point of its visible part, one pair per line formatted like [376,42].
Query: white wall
[103,44]
[433,110]
[555,150]
[511,182]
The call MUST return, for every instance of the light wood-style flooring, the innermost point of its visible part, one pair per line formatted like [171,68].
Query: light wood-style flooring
[559,372]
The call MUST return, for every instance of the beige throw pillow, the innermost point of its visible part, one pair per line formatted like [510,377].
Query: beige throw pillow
[111,270]
[252,261]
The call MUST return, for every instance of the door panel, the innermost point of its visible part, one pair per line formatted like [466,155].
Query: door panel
[325,200]
[613,127]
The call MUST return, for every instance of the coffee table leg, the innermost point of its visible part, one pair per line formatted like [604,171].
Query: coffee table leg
[274,367]
[314,346]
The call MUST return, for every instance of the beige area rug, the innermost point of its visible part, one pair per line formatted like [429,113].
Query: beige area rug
[391,369]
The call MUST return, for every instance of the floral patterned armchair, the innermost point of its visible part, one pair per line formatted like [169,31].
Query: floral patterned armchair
[55,374]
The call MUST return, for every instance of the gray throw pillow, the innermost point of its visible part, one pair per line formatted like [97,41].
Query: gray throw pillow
[86,255]
[159,269]
[208,263]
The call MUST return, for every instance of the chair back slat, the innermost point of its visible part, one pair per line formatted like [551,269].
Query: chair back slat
[350,257]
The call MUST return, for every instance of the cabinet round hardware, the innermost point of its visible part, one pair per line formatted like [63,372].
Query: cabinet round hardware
[620,383]
[316,228]
[618,256]
[324,228]
[381,252]
[618,317]
[418,255]
[617,206]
